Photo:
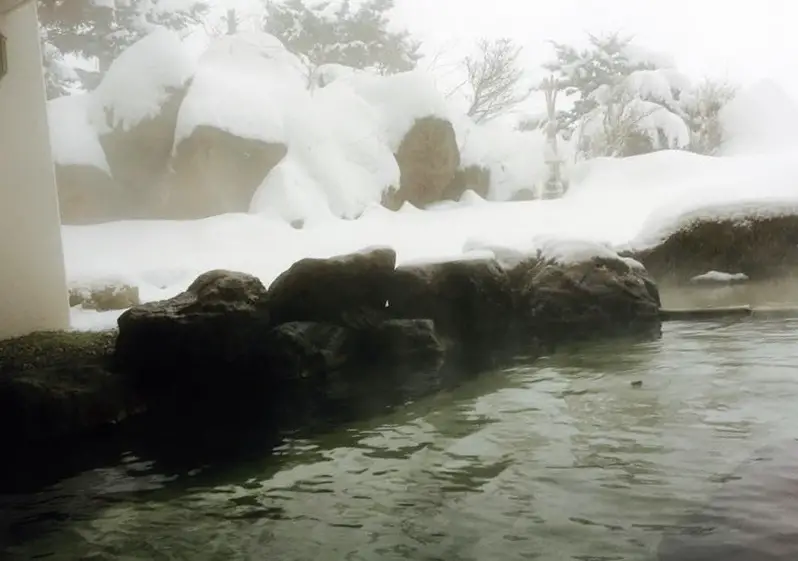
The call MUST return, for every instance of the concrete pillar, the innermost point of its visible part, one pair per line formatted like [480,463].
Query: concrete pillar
[33,293]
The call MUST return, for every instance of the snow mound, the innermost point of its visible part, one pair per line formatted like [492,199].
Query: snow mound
[761,118]
[738,189]
[73,140]
[719,277]
[571,251]
[559,249]
[466,256]
[243,85]
[140,80]
[338,161]
[326,74]
[516,159]
[399,100]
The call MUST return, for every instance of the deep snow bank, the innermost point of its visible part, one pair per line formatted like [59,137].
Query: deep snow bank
[761,118]
[342,127]
[634,202]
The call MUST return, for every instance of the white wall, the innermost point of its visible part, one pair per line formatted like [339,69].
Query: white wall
[33,293]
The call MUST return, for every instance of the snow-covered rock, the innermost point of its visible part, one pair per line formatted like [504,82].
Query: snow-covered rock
[86,191]
[428,160]
[514,160]
[134,110]
[73,139]
[141,81]
[231,130]
[245,85]
[718,277]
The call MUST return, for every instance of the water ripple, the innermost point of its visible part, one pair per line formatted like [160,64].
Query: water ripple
[561,459]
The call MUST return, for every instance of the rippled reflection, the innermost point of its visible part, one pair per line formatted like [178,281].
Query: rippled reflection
[563,459]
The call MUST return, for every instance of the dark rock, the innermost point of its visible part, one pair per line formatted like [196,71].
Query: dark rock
[599,297]
[215,172]
[470,301]
[410,342]
[760,248]
[326,289]
[306,350]
[60,384]
[333,371]
[199,343]
[428,159]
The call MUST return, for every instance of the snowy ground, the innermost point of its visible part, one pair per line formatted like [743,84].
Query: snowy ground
[341,139]
[616,202]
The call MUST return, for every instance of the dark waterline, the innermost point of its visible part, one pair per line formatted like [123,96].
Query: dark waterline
[564,458]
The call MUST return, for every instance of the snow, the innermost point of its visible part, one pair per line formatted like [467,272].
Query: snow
[399,100]
[342,128]
[140,80]
[242,86]
[612,204]
[73,140]
[760,119]
[515,158]
[657,85]
[719,277]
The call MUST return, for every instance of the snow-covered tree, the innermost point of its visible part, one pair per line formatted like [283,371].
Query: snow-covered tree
[101,29]
[334,32]
[702,107]
[59,77]
[626,100]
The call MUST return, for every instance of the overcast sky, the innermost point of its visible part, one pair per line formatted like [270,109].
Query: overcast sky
[744,40]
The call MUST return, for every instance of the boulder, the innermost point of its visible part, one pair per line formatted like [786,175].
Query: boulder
[203,342]
[559,302]
[139,156]
[137,130]
[215,172]
[758,247]
[470,301]
[59,384]
[326,290]
[344,372]
[104,296]
[213,350]
[87,195]
[428,159]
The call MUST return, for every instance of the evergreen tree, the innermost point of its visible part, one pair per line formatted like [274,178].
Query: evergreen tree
[607,61]
[334,32]
[627,100]
[59,77]
[102,29]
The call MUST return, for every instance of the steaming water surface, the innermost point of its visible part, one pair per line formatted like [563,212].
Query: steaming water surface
[561,459]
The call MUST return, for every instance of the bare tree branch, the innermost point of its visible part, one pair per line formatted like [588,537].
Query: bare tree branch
[494,77]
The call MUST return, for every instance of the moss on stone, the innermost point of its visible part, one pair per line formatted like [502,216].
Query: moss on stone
[47,349]
[60,383]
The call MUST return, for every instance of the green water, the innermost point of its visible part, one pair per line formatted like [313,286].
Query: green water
[561,459]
